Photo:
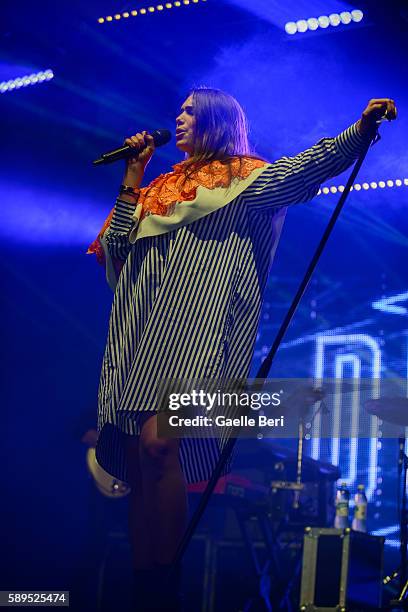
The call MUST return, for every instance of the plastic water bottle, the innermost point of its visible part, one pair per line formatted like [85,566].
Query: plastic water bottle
[341,520]
[360,510]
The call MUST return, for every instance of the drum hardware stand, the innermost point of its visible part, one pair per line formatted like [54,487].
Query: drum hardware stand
[267,363]
[301,435]
[271,593]
[262,570]
[297,487]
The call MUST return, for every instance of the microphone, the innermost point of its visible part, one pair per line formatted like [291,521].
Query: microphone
[160,137]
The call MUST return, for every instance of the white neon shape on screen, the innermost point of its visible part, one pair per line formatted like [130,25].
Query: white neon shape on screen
[323,340]
[341,361]
[388,304]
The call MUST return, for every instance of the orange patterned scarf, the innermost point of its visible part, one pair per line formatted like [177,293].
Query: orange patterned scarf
[161,195]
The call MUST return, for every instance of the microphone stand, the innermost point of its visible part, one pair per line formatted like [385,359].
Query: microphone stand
[266,364]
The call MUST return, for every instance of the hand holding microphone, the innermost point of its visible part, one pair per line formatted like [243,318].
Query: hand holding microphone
[143,146]
[137,151]
[138,143]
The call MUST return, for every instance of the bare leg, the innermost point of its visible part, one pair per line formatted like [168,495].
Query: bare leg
[140,541]
[164,491]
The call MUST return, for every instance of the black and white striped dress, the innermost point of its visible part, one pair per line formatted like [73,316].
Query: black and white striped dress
[188,299]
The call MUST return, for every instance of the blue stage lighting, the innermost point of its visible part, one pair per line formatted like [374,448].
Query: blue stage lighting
[366,186]
[145,11]
[324,21]
[31,79]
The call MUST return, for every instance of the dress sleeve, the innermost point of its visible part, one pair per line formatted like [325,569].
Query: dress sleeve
[117,234]
[115,240]
[291,180]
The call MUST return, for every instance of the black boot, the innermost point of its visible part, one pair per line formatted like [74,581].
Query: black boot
[144,593]
[168,587]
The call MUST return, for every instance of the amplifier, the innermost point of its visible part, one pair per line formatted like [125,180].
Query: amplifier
[342,571]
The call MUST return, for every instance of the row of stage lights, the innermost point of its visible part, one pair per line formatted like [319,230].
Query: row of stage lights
[313,23]
[31,79]
[149,9]
[364,186]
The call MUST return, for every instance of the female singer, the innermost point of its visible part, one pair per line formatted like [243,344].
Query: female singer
[188,257]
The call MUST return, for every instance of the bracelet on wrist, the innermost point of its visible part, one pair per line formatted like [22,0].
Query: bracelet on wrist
[132,191]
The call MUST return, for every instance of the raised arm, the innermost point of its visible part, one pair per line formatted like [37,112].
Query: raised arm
[291,180]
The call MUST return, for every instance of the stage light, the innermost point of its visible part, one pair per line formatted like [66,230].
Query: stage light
[345,17]
[356,15]
[32,79]
[334,19]
[313,23]
[149,9]
[366,186]
[291,27]
[301,25]
[323,21]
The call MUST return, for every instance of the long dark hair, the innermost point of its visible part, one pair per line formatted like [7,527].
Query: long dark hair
[221,129]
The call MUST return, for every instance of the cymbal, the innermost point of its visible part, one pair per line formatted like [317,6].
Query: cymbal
[390,409]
